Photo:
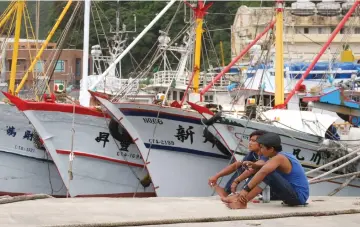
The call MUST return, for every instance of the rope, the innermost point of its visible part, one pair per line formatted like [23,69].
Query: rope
[214,219]
[342,186]
[335,177]
[71,155]
[20,198]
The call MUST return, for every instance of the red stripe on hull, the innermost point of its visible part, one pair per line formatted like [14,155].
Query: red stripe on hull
[99,157]
[23,105]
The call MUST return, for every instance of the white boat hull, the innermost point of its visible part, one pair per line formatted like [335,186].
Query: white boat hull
[101,166]
[24,169]
[178,158]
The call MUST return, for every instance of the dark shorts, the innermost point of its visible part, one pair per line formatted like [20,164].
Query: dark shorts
[282,189]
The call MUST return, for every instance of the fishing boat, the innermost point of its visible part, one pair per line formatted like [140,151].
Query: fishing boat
[87,155]
[26,168]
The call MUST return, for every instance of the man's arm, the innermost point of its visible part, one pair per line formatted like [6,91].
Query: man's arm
[269,167]
[254,165]
[229,169]
[224,172]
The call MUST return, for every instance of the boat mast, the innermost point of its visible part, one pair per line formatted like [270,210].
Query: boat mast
[19,11]
[279,57]
[200,12]
[84,97]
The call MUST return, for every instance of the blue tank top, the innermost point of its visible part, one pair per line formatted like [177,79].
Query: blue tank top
[297,178]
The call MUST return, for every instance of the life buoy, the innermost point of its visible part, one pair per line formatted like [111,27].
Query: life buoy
[118,132]
[354,121]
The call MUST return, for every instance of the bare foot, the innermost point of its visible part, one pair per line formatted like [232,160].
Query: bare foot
[230,199]
[220,191]
[236,205]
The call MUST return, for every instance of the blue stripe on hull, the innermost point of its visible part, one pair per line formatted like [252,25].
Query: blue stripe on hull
[186,150]
[162,115]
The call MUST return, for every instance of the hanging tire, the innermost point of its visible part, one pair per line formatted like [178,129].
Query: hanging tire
[119,133]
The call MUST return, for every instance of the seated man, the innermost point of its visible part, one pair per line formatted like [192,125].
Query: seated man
[252,156]
[282,172]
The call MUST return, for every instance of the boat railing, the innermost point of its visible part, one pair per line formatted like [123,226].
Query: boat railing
[222,83]
[114,84]
[166,77]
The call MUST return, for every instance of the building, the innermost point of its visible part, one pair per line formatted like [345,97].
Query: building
[68,68]
[307,26]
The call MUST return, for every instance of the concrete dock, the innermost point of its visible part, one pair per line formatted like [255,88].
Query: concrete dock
[193,212]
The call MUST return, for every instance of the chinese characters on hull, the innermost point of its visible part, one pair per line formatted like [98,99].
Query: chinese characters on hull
[316,157]
[28,135]
[11,131]
[183,134]
[103,137]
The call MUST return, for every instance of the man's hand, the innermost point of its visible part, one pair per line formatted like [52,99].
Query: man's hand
[234,186]
[252,165]
[212,181]
[242,196]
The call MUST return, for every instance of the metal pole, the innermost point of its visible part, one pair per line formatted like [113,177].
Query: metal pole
[84,98]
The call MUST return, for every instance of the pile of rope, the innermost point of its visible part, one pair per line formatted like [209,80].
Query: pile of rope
[333,151]
[20,198]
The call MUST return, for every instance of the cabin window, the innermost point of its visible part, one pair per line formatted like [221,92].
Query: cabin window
[209,98]
[306,30]
[78,67]
[60,66]
[357,30]
[175,95]
[181,95]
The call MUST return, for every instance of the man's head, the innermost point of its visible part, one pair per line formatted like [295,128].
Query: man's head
[253,144]
[270,144]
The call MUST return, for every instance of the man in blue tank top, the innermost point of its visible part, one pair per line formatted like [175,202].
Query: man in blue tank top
[238,167]
[282,172]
